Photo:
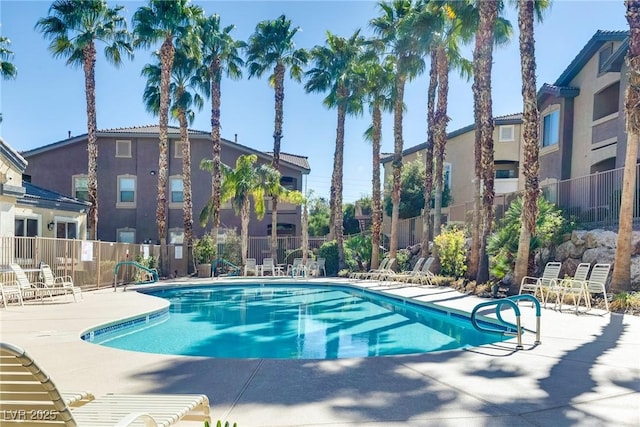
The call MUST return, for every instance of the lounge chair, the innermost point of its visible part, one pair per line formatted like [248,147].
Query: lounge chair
[398,277]
[361,275]
[10,291]
[321,266]
[60,284]
[425,275]
[30,289]
[268,265]
[597,282]
[537,285]
[28,397]
[297,268]
[251,267]
[573,286]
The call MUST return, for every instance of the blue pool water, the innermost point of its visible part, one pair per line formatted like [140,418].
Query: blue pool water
[292,322]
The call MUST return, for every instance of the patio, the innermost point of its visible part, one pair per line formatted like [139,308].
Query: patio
[585,372]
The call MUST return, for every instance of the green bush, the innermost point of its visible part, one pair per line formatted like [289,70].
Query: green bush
[403,260]
[452,251]
[357,249]
[329,251]
[231,250]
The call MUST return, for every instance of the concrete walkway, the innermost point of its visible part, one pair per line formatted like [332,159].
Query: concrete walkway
[586,372]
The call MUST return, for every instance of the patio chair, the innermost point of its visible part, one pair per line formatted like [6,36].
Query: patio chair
[382,272]
[537,285]
[573,286]
[251,267]
[597,282]
[29,397]
[297,268]
[268,265]
[321,267]
[359,275]
[10,291]
[30,289]
[423,276]
[60,284]
[393,276]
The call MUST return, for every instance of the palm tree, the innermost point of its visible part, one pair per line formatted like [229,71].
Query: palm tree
[482,61]
[378,78]
[185,82]
[7,69]
[271,50]
[333,72]
[170,22]
[621,279]
[247,181]
[74,27]
[401,46]
[220,54]
[530,117]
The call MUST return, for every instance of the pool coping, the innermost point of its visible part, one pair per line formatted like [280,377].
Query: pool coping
[585,372]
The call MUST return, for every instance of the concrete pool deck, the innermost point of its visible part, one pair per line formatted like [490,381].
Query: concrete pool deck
[586,372]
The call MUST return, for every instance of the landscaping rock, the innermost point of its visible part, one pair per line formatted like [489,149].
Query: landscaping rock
[569,250]
[578,237]
[635,273]
[569,267]
[597,238]
[635,243]
[599,256]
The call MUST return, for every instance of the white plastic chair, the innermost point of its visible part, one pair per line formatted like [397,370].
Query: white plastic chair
[537,285]
[268,265]
[251,267]
[62,284]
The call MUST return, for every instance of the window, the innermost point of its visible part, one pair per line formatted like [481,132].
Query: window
[81,187]
[176,185]
[288,182]
[26,227]
[66,229]
[603,55]
[447,175]
[506,133]
[505,173]
[126,235]
[123,148]
[551,128]
[126,191]
[177,150]
[605,102]
[176,236]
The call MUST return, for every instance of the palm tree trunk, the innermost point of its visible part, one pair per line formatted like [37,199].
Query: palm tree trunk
[484,40]
[89,65]
[215,136]
[440,135]
[244,228]
[305,233]
[621,279]
[187,204]
[397,161]
[166,62]
[338,161]
[376,226]
[428,156]
[530,146]
[277,137]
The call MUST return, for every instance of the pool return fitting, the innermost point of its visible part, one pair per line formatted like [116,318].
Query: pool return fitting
[511,302]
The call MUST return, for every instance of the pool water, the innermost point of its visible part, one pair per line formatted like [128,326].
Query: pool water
[294,322]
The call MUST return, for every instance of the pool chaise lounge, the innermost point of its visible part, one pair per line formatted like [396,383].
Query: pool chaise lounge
[29,397]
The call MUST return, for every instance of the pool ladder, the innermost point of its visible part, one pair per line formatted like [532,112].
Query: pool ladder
[510,302]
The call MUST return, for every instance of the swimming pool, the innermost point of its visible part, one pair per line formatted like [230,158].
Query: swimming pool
[291,322]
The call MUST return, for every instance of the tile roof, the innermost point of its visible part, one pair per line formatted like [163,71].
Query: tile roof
[42,197]
[558,91]
[12,155]
[294,159]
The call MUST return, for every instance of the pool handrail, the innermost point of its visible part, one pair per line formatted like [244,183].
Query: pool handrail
[151,271]
[218,261]
[510,302]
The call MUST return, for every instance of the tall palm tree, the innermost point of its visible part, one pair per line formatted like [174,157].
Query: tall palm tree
[482,61]
[170,22]
[246,182]
[74,27]
[271,50]
[530,165]
[220,55]
[7,69]
[183,90]
[378,78]
[402,46]
[621,279]
[333,72]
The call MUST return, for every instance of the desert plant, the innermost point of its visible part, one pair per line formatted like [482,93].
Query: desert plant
[625,302]
[452,251]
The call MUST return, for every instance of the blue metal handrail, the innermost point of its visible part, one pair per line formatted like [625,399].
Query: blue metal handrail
[218,261]
[152,272]
[510,302]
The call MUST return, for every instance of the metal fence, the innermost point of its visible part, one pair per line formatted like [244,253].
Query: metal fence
[91,264]
[593,200]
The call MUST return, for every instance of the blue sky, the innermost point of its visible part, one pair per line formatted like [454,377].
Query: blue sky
[47,100]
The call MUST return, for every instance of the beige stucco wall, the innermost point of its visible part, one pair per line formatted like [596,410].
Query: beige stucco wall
[589,83]
[9,175]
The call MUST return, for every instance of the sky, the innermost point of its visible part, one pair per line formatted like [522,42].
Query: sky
[47,99]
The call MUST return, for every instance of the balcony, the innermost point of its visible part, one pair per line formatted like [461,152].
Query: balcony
[505,185]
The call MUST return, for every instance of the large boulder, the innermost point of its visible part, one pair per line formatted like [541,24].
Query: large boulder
[569,267]
[569,250]
[635,243]
[599,255]
[597,238]
[635,273]
[578,237]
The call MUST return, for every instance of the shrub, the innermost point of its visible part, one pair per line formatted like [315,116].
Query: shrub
[204,250]
[452,252]
[231,250]
[357,251]
[329,251]
[403,258]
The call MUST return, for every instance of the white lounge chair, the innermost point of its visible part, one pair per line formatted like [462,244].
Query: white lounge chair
[60,284]
[10,292]
[268,265]
[30,289]
[425,275]
[361,275]
[321,266]
[297,268]
[573,286]
[404,275]
[597,282]
[539,285]
[251,267]
[34,400]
